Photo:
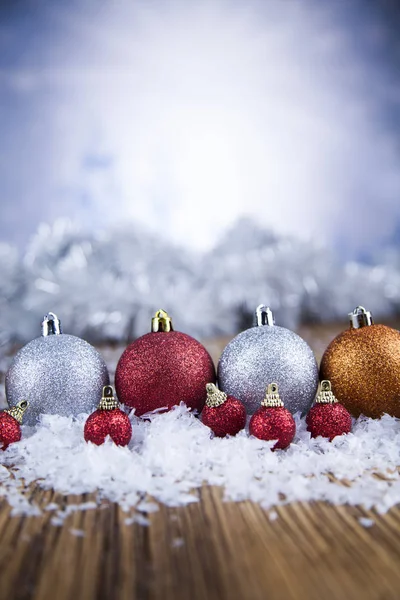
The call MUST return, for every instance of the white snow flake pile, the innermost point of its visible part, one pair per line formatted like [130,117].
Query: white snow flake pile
[172,454]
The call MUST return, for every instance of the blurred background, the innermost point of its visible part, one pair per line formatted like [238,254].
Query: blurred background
[200,156]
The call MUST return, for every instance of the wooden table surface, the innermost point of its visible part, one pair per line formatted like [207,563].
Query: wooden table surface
[210,549]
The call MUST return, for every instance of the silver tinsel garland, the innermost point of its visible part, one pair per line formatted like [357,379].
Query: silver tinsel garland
[105,286]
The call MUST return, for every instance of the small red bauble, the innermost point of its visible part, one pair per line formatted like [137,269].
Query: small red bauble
[328,417]
[163,368]
[272,421]
[108,419]
[10,424]
[224,415]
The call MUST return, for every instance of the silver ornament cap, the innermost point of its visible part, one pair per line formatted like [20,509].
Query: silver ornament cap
[360,317]
[265,353]
[57,373]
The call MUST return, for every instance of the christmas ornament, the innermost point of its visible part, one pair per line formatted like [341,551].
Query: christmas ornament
[59,373]
[162,369]
[10,424]
[224,415]
[272,421]
[363,365]
[264,353]
[328,417]
[110,420]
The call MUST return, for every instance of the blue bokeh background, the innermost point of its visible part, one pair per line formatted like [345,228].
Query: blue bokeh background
[209,155]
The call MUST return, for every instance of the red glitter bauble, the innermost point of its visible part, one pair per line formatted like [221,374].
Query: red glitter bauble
[162,369]
[10,430]
[226,419]
[328,420]
[273,423]
[114,423]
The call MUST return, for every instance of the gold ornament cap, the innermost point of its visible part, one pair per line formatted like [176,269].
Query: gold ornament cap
[215,397]
[360,317]
[17,411]
[263,316]
[325,395]
[161,321]
[272,397]
[108,402]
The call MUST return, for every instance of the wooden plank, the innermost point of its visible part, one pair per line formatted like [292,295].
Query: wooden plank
[208,550]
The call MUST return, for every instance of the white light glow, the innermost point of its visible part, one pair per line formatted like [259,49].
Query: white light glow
[186,115]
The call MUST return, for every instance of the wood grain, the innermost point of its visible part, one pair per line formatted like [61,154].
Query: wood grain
[210,549]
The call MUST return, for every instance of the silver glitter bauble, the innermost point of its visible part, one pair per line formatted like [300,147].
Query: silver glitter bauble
[57,373]
[266,353]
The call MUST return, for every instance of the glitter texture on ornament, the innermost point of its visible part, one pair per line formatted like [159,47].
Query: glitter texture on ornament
[163,368]
[10,424]
[57,373]
[108,419]
[328,417]
[224,415]
[272,421]
[266,353]
[363,364]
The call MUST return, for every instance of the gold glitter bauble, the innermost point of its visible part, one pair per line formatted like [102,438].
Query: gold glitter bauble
[363,366]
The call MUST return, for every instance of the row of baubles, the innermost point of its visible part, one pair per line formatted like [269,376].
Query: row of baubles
[62,374]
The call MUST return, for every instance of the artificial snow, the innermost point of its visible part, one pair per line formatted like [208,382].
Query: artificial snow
[62,514]
[171,455]
[365,522]
[77,532]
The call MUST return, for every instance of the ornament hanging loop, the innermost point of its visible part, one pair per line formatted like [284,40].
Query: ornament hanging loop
[272,397]
[51,325]
[215,397]
[360,318]
[18,410]
[108,402]
[263,316]
[161,322]
[325,395]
